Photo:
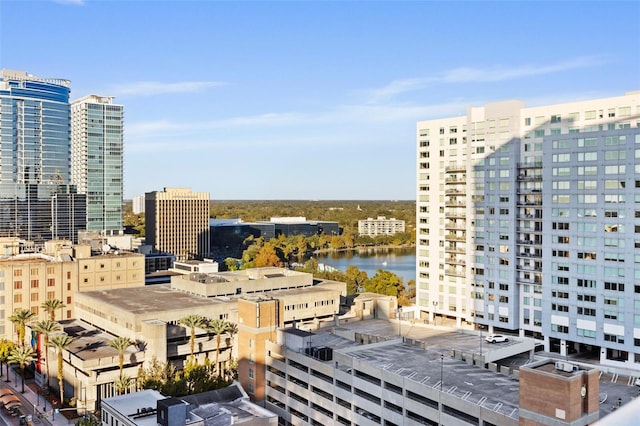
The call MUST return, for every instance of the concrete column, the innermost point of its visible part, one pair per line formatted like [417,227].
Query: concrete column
[563,348]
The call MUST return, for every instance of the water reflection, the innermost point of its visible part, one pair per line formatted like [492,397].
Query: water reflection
[401,262]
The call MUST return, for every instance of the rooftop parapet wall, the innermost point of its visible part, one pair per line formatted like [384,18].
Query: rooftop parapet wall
[241,282]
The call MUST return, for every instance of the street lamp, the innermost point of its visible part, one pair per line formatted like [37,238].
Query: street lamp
[399,313]
[440,393]
[435,312]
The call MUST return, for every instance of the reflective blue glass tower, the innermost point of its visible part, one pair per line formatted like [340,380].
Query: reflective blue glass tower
[37,202]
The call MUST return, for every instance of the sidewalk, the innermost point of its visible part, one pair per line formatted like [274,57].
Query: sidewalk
[36,402]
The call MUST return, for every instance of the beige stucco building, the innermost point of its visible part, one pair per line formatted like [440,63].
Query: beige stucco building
[30,276]
[150,317]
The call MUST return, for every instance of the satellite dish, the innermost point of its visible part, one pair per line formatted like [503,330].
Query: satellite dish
[106,248]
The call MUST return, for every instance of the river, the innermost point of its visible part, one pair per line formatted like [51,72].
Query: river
[401,262]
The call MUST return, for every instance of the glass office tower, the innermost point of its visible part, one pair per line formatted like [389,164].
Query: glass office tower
[37,202]
[97,155]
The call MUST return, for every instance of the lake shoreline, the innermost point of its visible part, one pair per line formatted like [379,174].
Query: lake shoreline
[366,248]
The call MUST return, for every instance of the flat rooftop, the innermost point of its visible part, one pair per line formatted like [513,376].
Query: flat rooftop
[90,343]
[163,298]
[460,379]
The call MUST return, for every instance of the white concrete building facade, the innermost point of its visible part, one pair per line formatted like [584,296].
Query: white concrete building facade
[527,221]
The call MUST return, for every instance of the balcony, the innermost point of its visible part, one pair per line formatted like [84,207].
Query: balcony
[455,214]
[456,168]
[456,180]
[454,225]
[453,272]
[536,254]
[453,249]
[455,237]
[534,165]
[454,192]
[455,261]
[529,268]
[528,229]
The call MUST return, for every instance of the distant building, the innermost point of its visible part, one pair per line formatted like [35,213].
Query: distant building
[186,267]
[177,222]
[97,135]
[137,204]
[37,201]
[380,226]
[228,235]
[223,407]
[290,226]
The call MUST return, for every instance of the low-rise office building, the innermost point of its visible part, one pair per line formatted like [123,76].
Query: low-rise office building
[150,316]
[380,226]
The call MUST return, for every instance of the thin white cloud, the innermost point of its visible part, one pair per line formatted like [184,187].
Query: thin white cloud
[289,129]
[151,88]
[480,75]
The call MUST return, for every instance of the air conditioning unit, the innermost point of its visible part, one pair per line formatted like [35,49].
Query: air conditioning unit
[567,367]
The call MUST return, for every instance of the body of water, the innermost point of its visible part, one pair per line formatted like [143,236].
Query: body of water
[401,262]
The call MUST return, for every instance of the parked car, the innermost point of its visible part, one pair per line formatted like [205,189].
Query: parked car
[495,338]
[13,406]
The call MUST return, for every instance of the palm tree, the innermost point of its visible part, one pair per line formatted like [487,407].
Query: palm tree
[60,342]
[20,318]
[122,383]
[192,321]
[22,355]
[218,327]
[120,344]
[46,327]
[50,307]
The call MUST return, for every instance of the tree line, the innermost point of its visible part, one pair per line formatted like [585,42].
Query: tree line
[346,213]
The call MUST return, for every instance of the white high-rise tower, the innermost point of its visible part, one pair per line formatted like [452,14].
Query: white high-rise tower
[97,134]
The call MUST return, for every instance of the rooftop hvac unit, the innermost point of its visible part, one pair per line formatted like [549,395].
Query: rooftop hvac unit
[567,367]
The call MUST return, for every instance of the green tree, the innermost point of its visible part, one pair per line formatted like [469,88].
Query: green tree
[218,327]
[22,355]
[6,346]
[193,322]
[51,306]
[60,342]
[46,328]
[355,279]
[20,318]
[385,282]
[120,344]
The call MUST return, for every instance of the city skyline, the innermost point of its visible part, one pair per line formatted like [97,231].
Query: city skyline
[236,99]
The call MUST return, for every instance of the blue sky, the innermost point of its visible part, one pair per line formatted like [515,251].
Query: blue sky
[312,99]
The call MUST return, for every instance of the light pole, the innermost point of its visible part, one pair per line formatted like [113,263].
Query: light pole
[435,312]
[399,313]
[481,348]
[440,393]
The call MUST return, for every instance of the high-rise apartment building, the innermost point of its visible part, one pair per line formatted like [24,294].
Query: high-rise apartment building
[37,202]
[177,222]
[529,221]
[97,126]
